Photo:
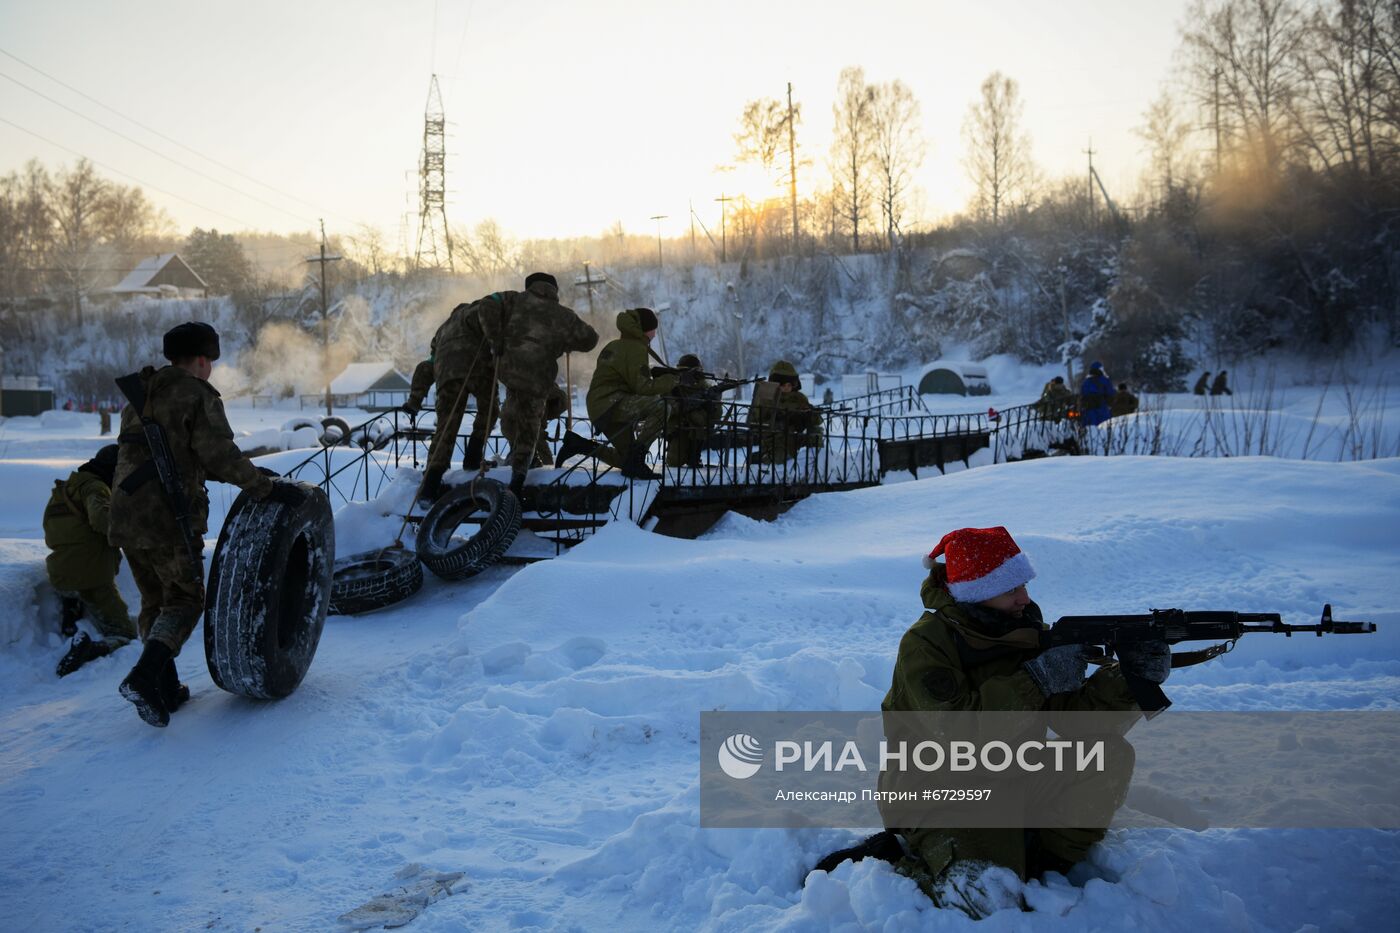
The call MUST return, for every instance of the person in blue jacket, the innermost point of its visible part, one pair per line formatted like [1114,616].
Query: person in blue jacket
[1095,394]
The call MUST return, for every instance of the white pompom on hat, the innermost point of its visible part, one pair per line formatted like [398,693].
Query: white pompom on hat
[982,563]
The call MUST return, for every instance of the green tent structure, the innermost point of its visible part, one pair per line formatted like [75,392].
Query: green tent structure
[954,377]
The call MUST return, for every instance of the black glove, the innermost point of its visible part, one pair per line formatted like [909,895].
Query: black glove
[411,407]
[1058,670]
[269,473]
[1150,660]
[288,494]
[658,371]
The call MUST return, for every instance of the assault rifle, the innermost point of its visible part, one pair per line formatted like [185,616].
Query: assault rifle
[1101,636]
[163,464]
[689,377]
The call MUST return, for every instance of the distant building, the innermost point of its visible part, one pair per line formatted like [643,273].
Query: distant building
[163,276]
[375,386]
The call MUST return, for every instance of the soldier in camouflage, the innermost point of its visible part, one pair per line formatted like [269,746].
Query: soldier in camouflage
[698,409]
[977,648]
[142,522]
[82,565]
[784,418]
[625,401]
[461,364]
[528,331]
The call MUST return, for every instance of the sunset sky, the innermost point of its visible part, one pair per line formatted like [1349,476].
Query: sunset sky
[563,117]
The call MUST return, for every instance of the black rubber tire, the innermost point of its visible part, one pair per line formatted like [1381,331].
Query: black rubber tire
[376,435]
[456,559]
[374,580]
[269,588]
[296,424]
[341,425]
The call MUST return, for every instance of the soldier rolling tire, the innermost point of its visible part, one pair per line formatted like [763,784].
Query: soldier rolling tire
[334,432]
[374,580]
[455,558]
[269,589]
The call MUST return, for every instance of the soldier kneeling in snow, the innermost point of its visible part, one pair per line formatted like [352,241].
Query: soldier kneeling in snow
[82,566]
[977,648]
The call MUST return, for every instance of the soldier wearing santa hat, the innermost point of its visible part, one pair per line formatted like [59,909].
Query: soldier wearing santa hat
[977,648]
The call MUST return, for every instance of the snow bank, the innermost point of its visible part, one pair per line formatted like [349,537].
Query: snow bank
[537,729]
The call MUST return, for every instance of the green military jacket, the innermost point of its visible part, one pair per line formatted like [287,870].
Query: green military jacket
[1122,403]
[75,529]
[624,368]
[786,422]
[528,331]
[965,658]
[201,443]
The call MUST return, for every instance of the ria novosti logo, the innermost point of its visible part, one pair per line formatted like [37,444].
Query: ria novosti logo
[740,756]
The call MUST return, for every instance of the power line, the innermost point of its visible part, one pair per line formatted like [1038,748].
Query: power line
[136,142]
[158,133]
[169,194]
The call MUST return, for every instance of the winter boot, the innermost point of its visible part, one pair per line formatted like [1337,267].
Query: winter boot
[517,484]
[635,466]
[884,846]
[142,685]
[471,457]
[172,693]
[573,445]
[431,489]
[72,608]
[81,650]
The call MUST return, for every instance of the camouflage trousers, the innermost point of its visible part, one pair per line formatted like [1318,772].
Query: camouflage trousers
[523,419]
[172,594]
[634,420]
[454,371]
[105,608]
[933,851]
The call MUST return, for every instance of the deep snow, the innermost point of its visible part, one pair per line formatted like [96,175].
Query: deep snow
[536,728]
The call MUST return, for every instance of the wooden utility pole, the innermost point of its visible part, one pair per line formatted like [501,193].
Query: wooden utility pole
[723,209]
[1090,152]
[1215,104]
[325,317]
[658,218]
[692,231]
[792,167]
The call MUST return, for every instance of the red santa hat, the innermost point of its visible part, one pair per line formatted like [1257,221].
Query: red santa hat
[982,563]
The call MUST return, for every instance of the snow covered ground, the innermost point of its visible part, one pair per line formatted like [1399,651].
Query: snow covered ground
[536,728]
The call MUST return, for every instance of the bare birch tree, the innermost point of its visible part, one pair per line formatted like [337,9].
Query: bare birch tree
[897,149]
[998,157]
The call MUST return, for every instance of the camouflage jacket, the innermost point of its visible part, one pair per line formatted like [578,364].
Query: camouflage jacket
[528,331]
[965,658]
[624,369]
[75,529]
[201,443]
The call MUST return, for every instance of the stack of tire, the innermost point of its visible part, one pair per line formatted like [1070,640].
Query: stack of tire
[375,579]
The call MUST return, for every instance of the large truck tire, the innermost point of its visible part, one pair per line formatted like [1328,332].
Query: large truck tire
[334,431]
[374,580]
[454,558]
[269,589]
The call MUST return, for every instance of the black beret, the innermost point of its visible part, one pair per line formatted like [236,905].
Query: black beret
[193,338]
[647,318]
[103,464]
[689,361]
[534,277]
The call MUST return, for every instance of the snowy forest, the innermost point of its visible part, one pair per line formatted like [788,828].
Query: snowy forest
[1266,218]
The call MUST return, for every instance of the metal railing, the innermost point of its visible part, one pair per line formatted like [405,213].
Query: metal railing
[730,453]
[898,400]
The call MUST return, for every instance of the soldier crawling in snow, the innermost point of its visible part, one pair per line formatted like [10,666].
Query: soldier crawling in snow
[977,648]
[82,566]
[142,521]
